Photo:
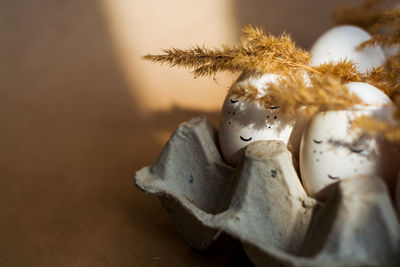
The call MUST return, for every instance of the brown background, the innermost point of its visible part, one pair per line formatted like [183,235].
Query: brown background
[80,113]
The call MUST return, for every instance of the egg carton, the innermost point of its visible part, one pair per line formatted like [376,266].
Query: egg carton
[262,203]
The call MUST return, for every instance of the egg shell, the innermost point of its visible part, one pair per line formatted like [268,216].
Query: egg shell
[341,43]
[321,162]
[375,99]
[243,122]
[330,151]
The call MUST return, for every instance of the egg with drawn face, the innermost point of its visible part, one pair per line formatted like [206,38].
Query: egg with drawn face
[341,43]
[243,122]
[331,151]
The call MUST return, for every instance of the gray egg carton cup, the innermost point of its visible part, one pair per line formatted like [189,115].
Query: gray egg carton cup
[262,203]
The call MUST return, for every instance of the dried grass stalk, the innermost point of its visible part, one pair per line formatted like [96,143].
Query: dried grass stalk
[294,94]
[322,92]
[244,92]
[387,77]
[257,53]
[344,70]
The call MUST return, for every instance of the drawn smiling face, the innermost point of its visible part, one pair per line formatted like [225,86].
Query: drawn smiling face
[243,122]
[329,151]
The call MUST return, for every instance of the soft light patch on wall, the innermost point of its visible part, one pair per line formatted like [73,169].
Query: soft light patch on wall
[142,27]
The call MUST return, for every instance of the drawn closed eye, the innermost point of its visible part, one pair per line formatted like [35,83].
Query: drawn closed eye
[333,177]
[273,107]
[246,140]
[317,141]
[356,150]
[234,101]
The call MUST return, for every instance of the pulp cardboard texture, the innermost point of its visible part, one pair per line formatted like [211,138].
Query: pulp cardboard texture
[262,203]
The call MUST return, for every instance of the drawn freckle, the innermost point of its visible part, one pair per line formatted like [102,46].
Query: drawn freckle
[320,152]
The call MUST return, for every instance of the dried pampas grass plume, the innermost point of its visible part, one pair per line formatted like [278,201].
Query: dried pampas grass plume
[387,77]
[246,92]
[323,92]
[258,53]
[344,70]
[294,94]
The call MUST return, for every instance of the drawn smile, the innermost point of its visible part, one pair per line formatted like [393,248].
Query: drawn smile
[246,140]
[333,177]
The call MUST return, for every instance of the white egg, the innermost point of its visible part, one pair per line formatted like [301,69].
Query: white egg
[341,43]
[244,122]
[330,150]
[376,100]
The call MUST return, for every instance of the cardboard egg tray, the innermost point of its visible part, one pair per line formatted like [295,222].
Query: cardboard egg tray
[262,203]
